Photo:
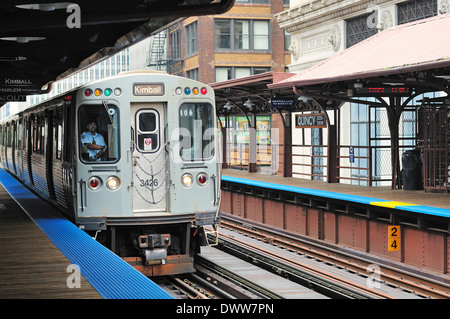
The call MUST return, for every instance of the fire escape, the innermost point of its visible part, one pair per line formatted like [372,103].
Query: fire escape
[156,55]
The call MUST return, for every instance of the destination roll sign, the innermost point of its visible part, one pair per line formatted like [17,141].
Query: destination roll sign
[148,89]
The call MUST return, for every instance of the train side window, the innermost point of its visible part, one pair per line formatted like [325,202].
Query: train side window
[57,132]
[38,134]
[42,135]
[8,136]
[147,124]
[106,118]
[196,131]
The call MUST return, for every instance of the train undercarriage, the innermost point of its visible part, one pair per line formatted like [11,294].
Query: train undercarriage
[155,250]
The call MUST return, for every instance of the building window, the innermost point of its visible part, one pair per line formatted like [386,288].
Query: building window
[228,73]
[416,10]
[175,45]
[238,34]
[191,38]
[361,28]
[287,40]
[192,74]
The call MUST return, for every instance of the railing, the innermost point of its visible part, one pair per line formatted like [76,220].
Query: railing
[267,156]
[310,161]
[366,165]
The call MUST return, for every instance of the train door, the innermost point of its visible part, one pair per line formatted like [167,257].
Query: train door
[14,146]
[19,149]
[149,157]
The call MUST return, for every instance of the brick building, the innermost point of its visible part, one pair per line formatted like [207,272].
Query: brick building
[242,42]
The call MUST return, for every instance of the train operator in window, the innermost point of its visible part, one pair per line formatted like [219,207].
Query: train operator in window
[94,142]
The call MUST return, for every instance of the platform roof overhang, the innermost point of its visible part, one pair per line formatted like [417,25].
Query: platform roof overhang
[416,55]
[42,41]
[254,87]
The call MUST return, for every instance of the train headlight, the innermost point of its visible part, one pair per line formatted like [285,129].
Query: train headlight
[94,183]
[187,180]
[113,183]
[202,179]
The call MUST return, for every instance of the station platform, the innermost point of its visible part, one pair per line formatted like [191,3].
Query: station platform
[43,255]
[30,264]
[418,201]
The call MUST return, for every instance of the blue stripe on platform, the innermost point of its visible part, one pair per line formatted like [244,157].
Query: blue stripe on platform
[302,190]
[340,196]
[427,210]
[109,274]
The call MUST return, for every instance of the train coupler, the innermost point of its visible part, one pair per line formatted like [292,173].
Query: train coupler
[154,248]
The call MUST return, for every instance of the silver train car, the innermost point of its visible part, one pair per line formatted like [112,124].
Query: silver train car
[131,159]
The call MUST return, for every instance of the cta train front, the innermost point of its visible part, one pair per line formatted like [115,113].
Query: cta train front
[147,174]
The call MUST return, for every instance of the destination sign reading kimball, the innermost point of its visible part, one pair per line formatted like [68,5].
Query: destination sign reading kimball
[148,89]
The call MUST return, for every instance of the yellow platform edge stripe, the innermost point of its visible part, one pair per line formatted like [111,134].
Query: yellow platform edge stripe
[391,204]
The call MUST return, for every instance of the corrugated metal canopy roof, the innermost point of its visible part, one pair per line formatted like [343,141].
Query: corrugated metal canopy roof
[416,46]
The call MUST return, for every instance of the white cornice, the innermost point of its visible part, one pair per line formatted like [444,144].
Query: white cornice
[316,12]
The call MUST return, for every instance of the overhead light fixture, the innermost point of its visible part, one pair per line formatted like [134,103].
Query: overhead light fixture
[445,77]
[357,85]
[12,58]
[304,99]
[249,104]
[22,39]
[45,6]
[228,106]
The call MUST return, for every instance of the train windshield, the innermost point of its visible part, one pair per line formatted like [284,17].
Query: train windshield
[99,133]
[196,131]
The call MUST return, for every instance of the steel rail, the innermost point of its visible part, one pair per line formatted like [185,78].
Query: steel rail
[315,279]
[236,278]
[392,275]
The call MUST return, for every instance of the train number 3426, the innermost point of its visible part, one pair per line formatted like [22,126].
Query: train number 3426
[148,182]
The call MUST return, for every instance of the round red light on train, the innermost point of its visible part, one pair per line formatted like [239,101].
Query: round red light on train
[202,179]
[204,91]
[87,92]
[93,183]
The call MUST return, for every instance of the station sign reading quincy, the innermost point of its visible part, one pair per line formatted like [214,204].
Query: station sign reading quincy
[148,89]
[310,120]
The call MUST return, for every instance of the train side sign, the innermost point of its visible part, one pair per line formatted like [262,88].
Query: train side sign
[310,120]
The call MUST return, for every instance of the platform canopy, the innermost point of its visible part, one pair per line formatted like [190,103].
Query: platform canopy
[42,41]
[390,68]
[406,60]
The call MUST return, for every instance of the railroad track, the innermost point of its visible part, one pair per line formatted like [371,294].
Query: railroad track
[212,281]
[400,280]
